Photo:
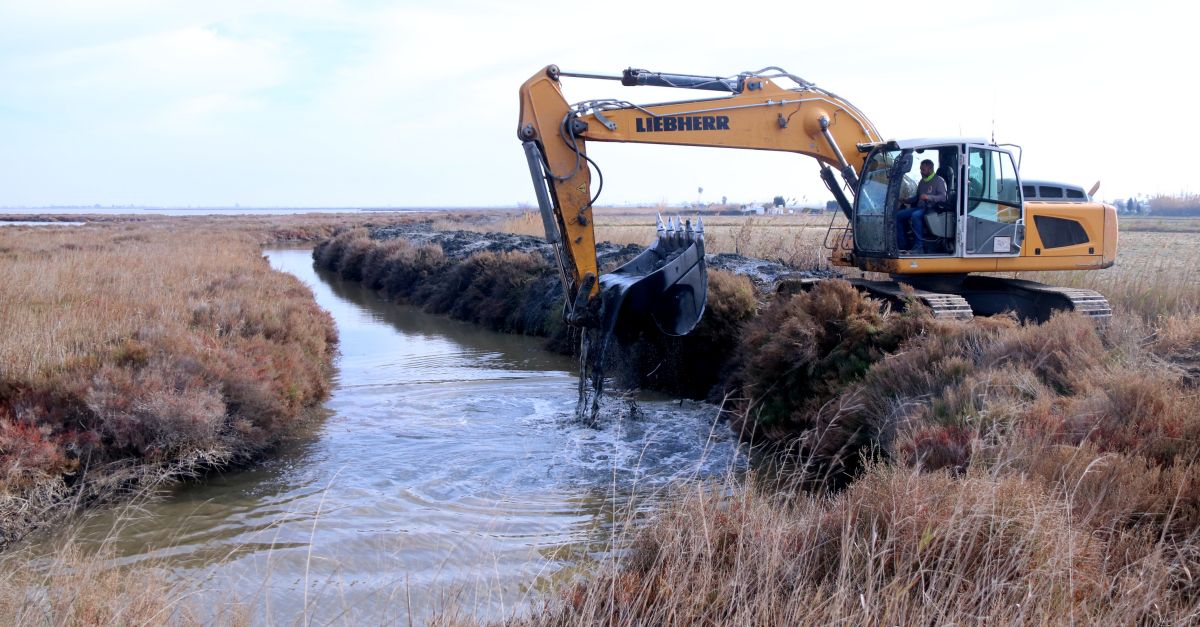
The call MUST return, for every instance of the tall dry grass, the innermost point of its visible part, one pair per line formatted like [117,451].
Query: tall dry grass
[897,547]
[936,472]
[131,351]
[943,472]
[1176,205]
[75,587]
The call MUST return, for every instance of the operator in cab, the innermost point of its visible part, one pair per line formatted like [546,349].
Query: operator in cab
[930,190]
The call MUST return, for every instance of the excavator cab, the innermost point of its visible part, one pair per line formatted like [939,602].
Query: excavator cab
[982,215]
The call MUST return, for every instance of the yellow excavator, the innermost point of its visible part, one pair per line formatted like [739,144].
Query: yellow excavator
[984,224]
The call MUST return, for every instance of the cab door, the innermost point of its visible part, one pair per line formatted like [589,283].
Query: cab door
[874,233]
[994,220]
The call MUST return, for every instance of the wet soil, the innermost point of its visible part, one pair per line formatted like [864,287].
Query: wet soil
[459,245]
[639,356]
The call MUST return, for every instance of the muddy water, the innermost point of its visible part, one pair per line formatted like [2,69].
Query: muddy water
[450,475]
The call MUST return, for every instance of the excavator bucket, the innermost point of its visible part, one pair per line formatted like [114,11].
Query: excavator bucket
[668,281]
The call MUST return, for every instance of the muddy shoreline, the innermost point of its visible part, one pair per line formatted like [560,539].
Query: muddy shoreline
[509,283]
[458,245]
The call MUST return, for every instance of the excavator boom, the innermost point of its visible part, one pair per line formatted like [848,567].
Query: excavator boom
[668,280]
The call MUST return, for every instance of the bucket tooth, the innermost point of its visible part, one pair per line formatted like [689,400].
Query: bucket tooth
[699,226]
[659,225]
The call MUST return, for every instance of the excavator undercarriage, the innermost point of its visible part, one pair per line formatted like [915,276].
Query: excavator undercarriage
[960,297]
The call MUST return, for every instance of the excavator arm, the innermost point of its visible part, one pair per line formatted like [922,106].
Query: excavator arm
[756,113]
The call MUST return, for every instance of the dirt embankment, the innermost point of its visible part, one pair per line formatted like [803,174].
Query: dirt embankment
[459,245]
[510,283]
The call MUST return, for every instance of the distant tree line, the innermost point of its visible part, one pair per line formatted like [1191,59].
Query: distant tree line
[1131,206]
[1176,205]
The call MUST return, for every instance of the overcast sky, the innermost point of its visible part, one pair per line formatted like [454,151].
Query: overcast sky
[371,103]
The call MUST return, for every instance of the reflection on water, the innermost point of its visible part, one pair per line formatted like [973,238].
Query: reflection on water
[449,473]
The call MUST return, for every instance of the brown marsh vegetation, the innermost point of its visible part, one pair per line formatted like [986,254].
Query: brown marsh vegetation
[1018,474]
[944,472]
[794,240]
[138,350]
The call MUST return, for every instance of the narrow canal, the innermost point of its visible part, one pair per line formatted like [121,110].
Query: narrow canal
[449,474]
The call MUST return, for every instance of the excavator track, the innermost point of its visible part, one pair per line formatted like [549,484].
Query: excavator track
[979,296]
[1031,300]
[1087,302]
[944,306]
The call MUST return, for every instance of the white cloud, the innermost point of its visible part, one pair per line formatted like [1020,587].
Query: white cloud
[346,103]
[145,72]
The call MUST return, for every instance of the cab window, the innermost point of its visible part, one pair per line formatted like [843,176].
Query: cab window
[994,205]
[992,192]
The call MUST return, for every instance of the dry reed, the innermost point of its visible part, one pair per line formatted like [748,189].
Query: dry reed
[1013,473]
[133,350]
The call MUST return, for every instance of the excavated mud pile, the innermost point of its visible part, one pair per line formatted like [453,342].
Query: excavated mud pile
[509,283]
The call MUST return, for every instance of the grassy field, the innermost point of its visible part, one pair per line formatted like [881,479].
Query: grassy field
[792,239]
[134,351]
[1161,225]
[263,229]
